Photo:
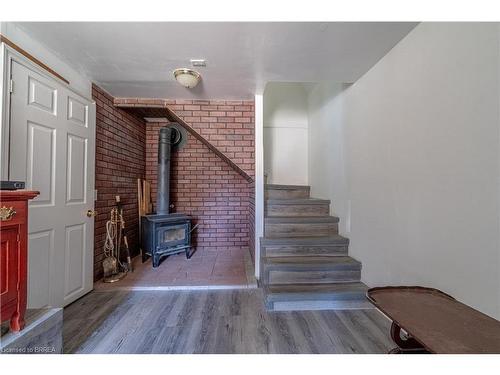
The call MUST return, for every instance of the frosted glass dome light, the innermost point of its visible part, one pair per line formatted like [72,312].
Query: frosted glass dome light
[187,77]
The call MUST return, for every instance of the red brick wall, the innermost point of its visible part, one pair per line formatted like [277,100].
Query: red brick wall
[217,197]
[203,185]
[120,161]
[208,189]
[227,124]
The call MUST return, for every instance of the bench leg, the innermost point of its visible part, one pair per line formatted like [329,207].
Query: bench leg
[404,345]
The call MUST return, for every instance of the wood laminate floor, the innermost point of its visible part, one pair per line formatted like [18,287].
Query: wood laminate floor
[214,321]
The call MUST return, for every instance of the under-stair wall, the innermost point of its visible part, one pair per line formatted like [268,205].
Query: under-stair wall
[212,180]
[209,190]
[213,173]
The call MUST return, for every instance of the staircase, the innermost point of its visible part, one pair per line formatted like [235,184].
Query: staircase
[304,261]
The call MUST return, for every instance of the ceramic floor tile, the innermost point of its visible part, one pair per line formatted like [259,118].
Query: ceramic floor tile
[205,268]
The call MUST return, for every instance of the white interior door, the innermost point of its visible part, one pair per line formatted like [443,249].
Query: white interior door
[52,148]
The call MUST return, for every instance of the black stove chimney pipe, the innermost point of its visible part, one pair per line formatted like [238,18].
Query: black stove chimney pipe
[164,151]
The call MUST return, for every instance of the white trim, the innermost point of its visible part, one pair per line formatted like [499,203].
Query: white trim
[4,120]
[259,178]
[498,183]
[166,288]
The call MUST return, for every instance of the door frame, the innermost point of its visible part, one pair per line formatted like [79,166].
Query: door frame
[7,55]
[4,112]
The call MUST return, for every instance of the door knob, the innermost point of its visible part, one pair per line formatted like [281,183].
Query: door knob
[91,213]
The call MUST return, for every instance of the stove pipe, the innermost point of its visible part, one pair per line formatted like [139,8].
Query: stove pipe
[164,152]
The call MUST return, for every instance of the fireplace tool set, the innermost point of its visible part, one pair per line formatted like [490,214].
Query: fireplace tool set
[114,268]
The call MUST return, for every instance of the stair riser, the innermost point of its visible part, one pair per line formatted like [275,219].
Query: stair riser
[284,251]
[287,193]
[308,305]
[300,229]
[298,209]
[311,277]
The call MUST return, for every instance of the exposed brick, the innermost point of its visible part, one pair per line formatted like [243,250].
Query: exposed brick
[120,161]
[206,188]
[203,185]
[222,114]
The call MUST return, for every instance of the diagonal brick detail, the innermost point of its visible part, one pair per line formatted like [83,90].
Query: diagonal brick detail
[227,126]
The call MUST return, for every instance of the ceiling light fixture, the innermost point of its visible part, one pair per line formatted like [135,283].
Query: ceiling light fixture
[187,77]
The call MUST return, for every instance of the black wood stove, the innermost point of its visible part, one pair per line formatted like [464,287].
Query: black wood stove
[164,233]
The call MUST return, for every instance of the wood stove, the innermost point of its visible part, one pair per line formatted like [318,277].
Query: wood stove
[164,233]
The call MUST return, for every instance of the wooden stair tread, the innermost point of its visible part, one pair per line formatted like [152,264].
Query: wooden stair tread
[286,192]
[300,219]
[297,201]
[316,261]
[286,187]
[305,241]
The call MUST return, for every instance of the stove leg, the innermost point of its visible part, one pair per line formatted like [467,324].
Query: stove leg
[188,254]
[156,261]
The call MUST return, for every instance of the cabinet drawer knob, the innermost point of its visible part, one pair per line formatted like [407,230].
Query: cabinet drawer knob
[7,214]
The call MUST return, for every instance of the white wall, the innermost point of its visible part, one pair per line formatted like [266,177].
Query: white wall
[326,172]
[285,134]
[418,162]
[78,80]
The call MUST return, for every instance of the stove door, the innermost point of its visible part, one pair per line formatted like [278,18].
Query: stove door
[172,236]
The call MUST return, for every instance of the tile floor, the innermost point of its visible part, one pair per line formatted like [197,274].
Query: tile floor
[231,268]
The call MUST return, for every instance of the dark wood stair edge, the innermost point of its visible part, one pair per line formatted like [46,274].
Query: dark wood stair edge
[301,219]
[355,286]
[287,187]
[313,262]
[335,240]
[171,115]
[298,201]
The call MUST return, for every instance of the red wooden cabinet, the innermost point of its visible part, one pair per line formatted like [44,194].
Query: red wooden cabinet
[14,255]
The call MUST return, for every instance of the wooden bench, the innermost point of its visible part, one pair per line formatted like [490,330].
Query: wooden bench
[434,322]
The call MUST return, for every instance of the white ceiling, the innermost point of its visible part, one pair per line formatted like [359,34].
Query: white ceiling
[136,59]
